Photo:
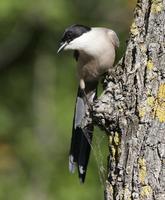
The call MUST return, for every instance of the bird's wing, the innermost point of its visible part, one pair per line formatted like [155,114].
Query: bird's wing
[113,37]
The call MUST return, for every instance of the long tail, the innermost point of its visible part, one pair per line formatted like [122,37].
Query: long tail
[82,137]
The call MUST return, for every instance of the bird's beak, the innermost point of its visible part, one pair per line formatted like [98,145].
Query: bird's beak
[62,46]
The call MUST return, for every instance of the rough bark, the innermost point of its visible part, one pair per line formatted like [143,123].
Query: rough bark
[132,110]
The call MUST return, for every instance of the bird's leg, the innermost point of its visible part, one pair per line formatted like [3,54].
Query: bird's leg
[82,86]
[87,101]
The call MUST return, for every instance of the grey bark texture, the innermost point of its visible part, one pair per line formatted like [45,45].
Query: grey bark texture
[132,110]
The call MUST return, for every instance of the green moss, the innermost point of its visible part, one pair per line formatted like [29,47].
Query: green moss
[150,65]
[142,170]
[157,6]
[159,107]
[146,191]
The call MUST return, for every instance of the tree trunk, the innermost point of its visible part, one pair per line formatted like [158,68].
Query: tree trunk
[132,110]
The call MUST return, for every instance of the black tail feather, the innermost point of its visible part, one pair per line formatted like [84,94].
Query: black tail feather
[85,148]
[81,138]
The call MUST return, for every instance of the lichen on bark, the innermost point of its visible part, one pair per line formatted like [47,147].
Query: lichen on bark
[132,110]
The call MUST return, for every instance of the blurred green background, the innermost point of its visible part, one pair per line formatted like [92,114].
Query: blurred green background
[37,95]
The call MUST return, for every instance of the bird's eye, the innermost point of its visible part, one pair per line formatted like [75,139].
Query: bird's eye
[69,36]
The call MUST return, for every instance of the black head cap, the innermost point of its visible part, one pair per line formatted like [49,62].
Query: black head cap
[73,32]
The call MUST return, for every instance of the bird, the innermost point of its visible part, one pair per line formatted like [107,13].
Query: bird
[94,50]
